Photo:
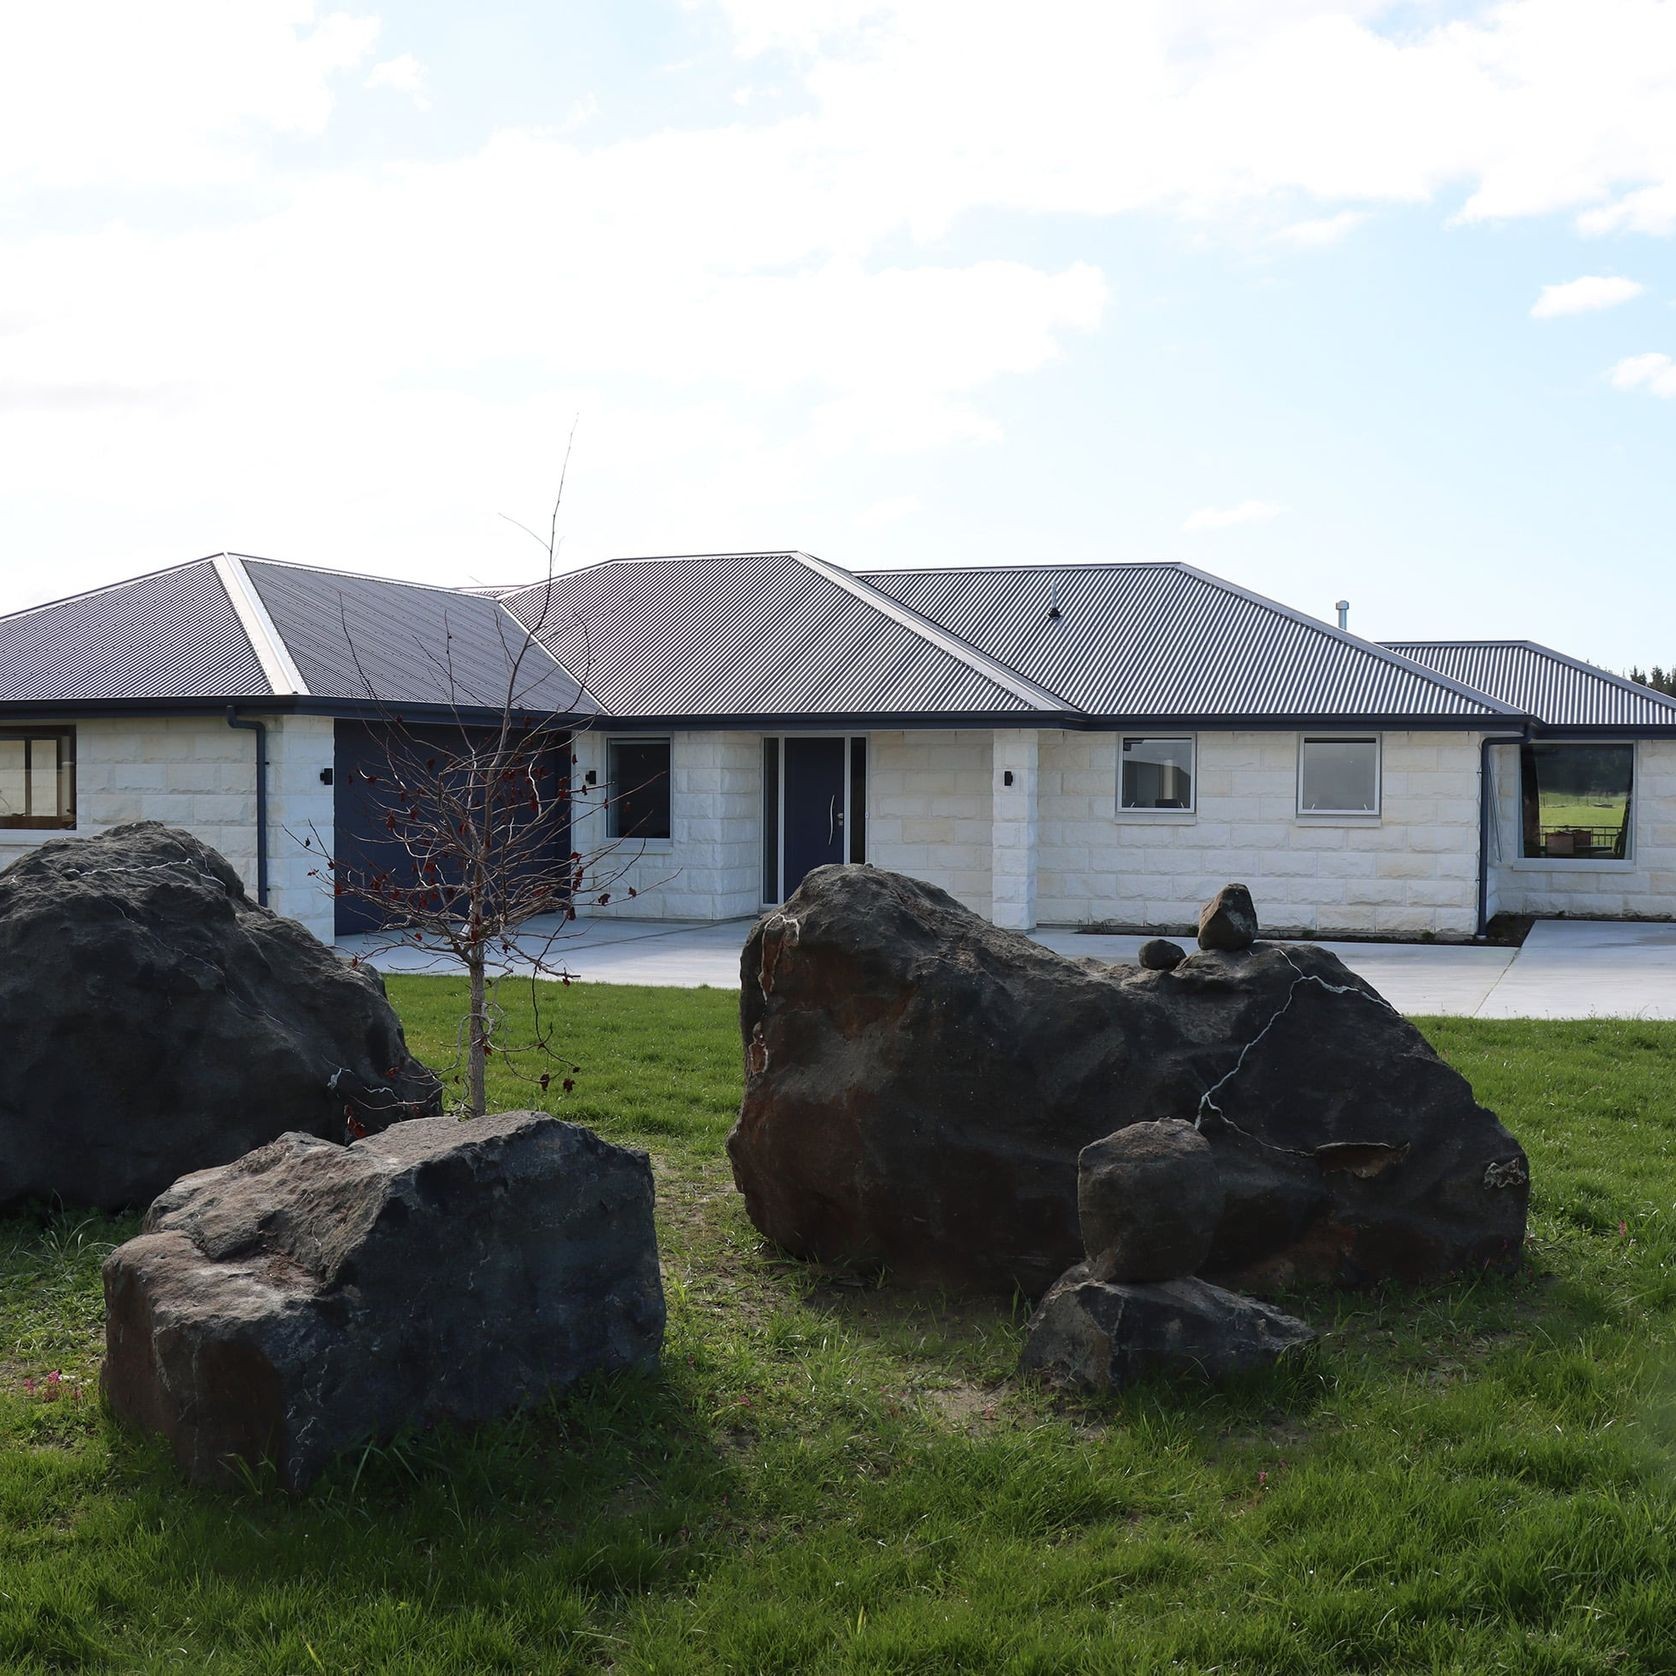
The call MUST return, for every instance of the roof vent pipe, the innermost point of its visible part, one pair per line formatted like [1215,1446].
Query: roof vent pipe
[1343,609]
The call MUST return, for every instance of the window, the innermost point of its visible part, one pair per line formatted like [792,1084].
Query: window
[1338,777]
[1156,774]
[38,779]
[639,771]
[1575,801]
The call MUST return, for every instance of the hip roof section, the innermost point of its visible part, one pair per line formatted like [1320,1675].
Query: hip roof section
[761,634]
[402,644]
[175,634]
[1537,681]
[1159,641]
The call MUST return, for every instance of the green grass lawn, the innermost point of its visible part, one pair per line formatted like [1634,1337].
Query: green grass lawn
[826,1478]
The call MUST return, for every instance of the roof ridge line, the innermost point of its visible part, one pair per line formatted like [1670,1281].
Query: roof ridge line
[1048,564]
[653,558]
[358,575]
[259,628]
[992,668]
[1344,637]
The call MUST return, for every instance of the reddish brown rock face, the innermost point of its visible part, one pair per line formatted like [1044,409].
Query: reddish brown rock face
[918,1085]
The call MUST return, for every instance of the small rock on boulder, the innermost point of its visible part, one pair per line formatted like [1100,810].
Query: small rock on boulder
[311,1297]
[1148,1199]
[157,1021]
[1095,1335]
[1228,921]
[1159,954]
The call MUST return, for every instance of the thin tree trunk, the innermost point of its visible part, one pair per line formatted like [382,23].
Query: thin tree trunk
[477,1039]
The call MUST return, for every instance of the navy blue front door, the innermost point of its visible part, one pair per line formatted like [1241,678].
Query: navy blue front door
[814,804]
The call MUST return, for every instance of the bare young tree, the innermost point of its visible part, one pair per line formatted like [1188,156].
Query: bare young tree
[478,857]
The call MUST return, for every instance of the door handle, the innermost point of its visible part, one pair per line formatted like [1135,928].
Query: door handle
[832,818]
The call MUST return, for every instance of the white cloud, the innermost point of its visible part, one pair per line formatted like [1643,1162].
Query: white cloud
[1584,296]
[1321,231]
[1651,209]
[1654,373]
[743,307]
[1225,517]
[891,510]
[174,94]
[402,74]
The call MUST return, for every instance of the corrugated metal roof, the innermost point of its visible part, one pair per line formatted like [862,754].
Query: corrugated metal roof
[355,637]
[172,635]
[741,634]
[1166,640]
[1540,682]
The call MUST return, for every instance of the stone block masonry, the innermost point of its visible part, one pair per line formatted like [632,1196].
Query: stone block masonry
[197,773]
[1410,869]
[710,867]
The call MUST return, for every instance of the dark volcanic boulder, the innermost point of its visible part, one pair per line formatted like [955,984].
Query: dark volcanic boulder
[1228,921]
[918,1085]
[1149,1200]
[1096,1335]
[311,1297]
[157,1021]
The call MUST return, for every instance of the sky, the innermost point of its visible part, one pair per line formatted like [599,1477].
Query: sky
[1359,300]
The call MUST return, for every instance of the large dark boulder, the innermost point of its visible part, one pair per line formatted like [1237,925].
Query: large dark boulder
[1095,1335]
[918,1085]
[311,1297]
[157,1021]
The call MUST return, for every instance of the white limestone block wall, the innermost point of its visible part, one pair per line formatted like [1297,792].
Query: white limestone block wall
[930,806]
[196,772]
[710,867]
[1640,887]
[1412,868]
[1014,831]
[299,819]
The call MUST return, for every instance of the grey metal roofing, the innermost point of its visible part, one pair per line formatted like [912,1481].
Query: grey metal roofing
[172,635]
[1163,640]
[742,634]
[1540,682]
[403,644]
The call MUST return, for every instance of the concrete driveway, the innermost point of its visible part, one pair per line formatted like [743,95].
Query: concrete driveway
[1567,968]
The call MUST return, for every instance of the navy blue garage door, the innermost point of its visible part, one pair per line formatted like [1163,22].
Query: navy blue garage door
[364,849]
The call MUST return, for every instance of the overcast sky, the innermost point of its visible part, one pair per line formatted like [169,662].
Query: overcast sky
[1354,299]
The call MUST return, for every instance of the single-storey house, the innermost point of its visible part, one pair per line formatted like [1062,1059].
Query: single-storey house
[1055,744]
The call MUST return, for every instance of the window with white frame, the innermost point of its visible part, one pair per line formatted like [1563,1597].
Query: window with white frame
[639,775]
[1338,776]
[1155,772]
[38,778]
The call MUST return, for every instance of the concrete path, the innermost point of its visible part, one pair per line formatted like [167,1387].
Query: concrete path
[1567,968]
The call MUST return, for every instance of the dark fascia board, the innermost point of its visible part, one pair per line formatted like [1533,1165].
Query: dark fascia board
[268,704]
[1074,721]
[1597,733]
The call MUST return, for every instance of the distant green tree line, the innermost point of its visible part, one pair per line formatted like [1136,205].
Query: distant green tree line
[1660,680]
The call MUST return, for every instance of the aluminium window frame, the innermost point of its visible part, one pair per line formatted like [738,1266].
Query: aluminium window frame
[1595,865]
[612,740]
[1377,812]
[1125,812]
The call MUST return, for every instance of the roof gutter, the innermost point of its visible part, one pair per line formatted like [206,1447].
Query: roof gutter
[251,725]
